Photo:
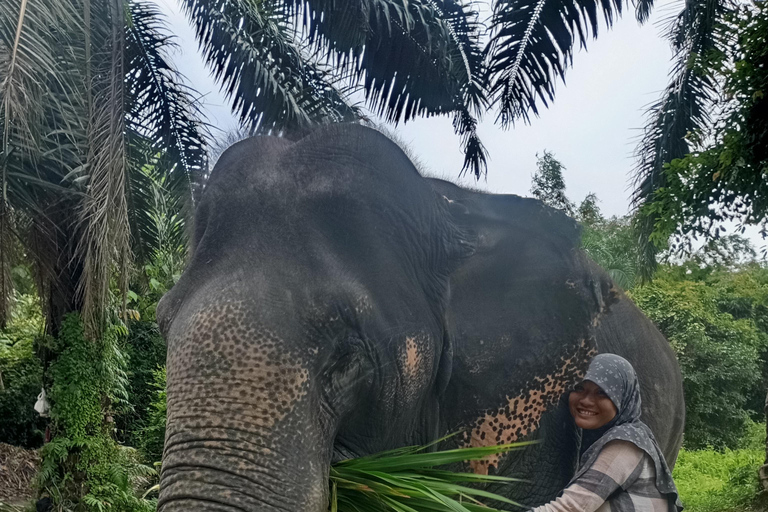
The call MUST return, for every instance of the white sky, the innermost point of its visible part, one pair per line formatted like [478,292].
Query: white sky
[591,127]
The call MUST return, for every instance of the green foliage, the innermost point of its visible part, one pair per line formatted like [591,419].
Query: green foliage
[22,379]
[720,354]
[406,480]
[152,437]
[717,172]
[146,351]
[721,481]
[611,244]
[549,185]
[21,373]
[83,467]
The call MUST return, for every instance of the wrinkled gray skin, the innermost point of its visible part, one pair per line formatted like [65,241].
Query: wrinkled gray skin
[338,304]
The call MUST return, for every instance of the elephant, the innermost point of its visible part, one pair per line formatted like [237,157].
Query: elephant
[337,304]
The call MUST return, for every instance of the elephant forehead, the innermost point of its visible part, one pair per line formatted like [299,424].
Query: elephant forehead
[521,413]
[225,363]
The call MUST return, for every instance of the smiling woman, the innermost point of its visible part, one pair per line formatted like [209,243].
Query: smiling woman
[590,406]
[621,467]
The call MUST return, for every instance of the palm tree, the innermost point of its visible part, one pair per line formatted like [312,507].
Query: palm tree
[713,110]
[87,98]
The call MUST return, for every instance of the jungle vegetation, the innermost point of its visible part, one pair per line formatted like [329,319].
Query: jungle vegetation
[104,153]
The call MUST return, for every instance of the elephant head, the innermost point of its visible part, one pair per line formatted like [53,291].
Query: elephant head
[309,324]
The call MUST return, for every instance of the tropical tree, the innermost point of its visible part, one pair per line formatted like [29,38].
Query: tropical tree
[88,98]
[548,184]
[89,101]
[702,159]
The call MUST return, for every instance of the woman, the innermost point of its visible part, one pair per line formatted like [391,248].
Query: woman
[621,467]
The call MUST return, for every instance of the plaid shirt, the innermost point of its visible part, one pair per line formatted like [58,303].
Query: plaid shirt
[622,479]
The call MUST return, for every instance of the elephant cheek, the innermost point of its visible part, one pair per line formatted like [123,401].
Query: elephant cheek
[521,414]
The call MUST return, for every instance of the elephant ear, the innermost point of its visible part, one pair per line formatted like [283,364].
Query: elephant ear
[483,228]
[460,242]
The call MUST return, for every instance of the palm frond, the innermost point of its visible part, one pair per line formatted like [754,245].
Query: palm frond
[31,83]
[104,215]
[161,109]
[475,154]
[249,48]
[41,118]
[411,58]
[532,45]
[684,107]
[158,218]
[409,480]
[427,61]
[167,137]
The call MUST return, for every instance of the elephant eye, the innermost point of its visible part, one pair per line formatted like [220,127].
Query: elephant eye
[348,368]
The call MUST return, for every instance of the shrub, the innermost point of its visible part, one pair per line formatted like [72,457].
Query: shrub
[83,468]
[719,355]
[145,350]
[721,481]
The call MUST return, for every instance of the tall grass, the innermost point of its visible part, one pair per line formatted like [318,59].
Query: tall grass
[713,481]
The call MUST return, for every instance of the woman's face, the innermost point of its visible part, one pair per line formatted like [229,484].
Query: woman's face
[590,406]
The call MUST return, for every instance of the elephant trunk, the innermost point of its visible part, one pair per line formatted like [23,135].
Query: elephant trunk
[230,469]
[244,429]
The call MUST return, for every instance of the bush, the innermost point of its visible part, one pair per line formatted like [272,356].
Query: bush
[719,355]
[22,376]
[145,350]
[83,468]
[714,481]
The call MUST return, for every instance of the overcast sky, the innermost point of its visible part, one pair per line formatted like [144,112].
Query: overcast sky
[591,128]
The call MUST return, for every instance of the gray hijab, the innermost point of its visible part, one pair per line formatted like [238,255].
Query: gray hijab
[618,380]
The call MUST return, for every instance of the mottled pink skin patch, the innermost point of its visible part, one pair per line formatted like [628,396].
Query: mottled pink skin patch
[415,361]
[522,413]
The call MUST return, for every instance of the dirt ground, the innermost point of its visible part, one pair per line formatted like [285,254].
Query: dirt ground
[17,472]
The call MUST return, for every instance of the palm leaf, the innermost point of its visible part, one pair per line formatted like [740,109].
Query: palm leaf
[429,64]
[697,38]
[104,212]
[532,44]
[249,47]
[407,479]
[37,91]
[168,140]
[160,108]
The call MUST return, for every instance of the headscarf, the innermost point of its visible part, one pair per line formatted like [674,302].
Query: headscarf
[616,377]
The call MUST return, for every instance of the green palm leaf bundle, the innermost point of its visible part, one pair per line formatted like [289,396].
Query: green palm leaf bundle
[412,479]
